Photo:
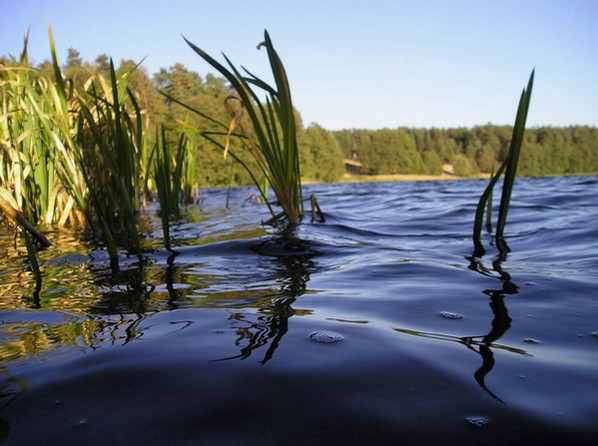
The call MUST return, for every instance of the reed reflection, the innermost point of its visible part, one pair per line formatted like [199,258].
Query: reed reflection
[501,321]
[484,345]
[294,265]
[26,340]
[125,290]
[169,278]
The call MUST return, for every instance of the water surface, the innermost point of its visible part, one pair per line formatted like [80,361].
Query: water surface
[212,345]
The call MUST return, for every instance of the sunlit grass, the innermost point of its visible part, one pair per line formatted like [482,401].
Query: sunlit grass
[33,136]
[71,156]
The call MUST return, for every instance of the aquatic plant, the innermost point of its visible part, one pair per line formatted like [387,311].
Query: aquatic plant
[489,205]
[272,138]
[174,179]
[509,167]
[111,158]
[78,155]
[37,140]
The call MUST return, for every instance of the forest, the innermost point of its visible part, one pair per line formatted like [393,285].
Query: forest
[401,150]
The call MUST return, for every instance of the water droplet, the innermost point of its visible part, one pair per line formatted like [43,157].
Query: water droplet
[325,337]
[451,315]
[478,421]
[531,341]
[82,423]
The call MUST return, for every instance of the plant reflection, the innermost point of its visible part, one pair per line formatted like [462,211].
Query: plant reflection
[37,340]
[294,266]
[169,280]
[10,389]
[483,345]
[124,291]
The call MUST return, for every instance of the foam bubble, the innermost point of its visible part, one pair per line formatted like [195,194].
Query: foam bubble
[325,337]
[478,421]
[451,315]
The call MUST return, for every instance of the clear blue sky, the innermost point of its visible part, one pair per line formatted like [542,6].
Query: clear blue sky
[354,64]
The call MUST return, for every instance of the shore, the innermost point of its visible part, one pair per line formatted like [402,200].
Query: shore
[351,178]
[447,174]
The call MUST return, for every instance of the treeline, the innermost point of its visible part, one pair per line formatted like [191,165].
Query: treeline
[321,156]
[547,151]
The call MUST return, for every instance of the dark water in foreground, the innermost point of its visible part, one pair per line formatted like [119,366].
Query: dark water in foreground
[213,346]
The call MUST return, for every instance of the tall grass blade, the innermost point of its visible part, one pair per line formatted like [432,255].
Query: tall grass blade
[509,166]
[162,174]
[174,178]
[511,169]
[489,206]
[479,250]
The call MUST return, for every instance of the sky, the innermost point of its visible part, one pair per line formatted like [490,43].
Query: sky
[352,63]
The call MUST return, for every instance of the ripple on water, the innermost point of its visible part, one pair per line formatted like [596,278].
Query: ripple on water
[238,294]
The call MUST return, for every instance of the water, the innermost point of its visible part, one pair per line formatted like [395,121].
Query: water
[375,327]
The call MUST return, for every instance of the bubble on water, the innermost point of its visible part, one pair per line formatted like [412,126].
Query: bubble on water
[595,334]
[530,283]
[531,341]
[451,315]
[325,337]
[478,421]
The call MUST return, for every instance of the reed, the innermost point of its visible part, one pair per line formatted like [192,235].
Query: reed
[113,158]
[271,138]
[33,131]
[509,167]
[174,177]
[489,205]
[106,149]
[77,156]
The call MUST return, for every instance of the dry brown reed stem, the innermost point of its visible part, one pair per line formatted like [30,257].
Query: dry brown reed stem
[18,218]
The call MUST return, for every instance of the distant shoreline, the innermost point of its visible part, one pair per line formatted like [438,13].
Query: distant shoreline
[447,174]
[351,178]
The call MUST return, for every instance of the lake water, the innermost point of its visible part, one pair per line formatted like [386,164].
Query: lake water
[375,327]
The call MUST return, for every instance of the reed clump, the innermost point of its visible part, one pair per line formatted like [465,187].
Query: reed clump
[72,157]
[271,136]
[79,156]
[37,142]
